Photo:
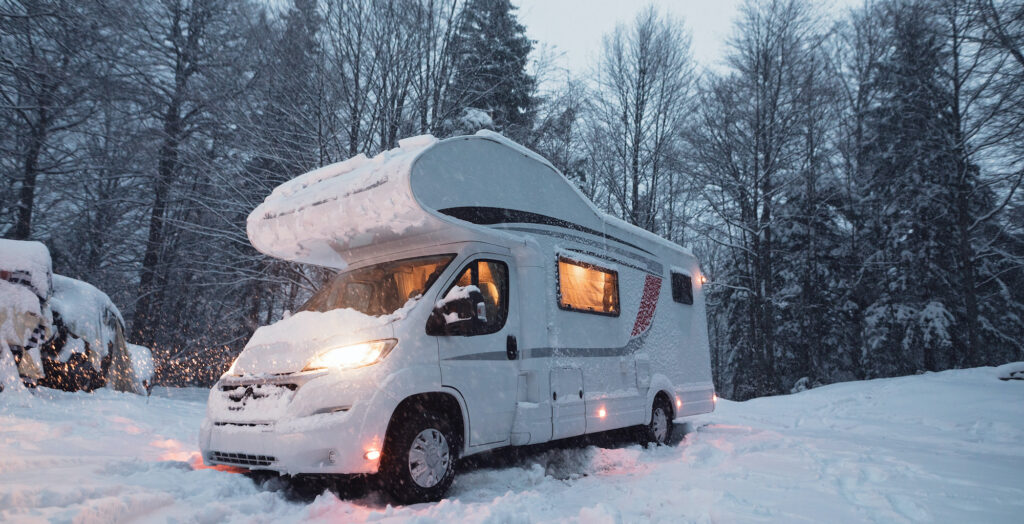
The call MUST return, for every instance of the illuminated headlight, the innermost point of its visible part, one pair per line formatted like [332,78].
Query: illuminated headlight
[352,356]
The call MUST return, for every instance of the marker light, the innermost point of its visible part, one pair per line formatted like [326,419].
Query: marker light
[352,356]
[372,454]
[714,398]
[679,403]
[601,413]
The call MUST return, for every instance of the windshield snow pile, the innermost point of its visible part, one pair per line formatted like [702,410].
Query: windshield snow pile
[341,206]
[287,345]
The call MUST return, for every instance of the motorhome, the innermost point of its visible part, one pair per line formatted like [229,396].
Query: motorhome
[481,301]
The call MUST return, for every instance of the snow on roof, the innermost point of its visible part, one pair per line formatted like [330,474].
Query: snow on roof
[322,216]
[31,257]
[83,307]
[349,204]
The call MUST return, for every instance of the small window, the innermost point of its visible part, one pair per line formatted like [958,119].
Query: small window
[587,288]
[682,288]
[491,278]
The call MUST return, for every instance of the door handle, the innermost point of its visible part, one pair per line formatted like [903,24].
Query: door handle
[511,347]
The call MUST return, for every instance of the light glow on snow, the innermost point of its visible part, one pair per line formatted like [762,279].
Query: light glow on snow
[938,447]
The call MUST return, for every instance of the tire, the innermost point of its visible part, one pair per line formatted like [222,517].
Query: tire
[659,430]
[418,463]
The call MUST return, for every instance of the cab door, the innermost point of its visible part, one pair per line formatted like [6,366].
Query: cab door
[480,358]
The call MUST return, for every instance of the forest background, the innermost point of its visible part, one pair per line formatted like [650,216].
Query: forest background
[850,182]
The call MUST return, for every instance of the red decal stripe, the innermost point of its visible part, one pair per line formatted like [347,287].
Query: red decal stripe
[649,302]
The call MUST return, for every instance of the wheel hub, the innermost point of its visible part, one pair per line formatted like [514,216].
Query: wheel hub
[659,425]
[429,458]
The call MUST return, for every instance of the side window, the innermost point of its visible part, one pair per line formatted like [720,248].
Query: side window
[682,288]
[491,278]
[587,288]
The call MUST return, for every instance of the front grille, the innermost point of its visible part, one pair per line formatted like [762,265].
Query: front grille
[238,396]
[242,424]
[241,459]
[237,393]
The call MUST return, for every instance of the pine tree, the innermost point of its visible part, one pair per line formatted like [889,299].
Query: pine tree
[492,54]
[912,170]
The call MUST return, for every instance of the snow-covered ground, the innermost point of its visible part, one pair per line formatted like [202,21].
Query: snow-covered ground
[943,447]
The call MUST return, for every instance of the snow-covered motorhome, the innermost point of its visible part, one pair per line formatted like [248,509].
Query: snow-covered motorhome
[481,301]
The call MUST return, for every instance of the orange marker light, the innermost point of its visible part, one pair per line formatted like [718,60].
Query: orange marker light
[714,398]
[601,413]
[373,454]
[679,403]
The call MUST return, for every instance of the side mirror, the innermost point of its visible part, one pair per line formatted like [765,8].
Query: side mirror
[461,312]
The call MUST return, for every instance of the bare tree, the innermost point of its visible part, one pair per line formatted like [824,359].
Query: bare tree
[643,86]
[45,76]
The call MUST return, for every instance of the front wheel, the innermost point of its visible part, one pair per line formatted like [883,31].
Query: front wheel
[659,431]
[418,464]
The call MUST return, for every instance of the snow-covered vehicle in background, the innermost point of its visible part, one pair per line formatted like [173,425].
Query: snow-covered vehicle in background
[25,286]
[68,334]
[482,302]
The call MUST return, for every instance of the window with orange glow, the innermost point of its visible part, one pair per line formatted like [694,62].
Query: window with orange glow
[587,288]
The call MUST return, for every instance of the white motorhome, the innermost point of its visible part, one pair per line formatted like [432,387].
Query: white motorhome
[481,301]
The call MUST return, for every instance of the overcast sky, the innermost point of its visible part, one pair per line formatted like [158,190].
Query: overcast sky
[575,27]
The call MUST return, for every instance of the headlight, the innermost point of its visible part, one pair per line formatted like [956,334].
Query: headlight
[353,356]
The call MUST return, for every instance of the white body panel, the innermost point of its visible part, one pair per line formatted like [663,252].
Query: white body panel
[478,198]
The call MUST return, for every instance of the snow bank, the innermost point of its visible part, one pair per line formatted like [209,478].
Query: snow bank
[939,447]
[142,363]
[82,307]
[30,257]
[1011,371]
[350,204]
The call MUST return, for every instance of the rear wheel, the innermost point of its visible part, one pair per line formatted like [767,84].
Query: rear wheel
[659,430]
[418,464]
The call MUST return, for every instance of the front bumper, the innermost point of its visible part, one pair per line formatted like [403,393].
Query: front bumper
[326,444]
[281,424]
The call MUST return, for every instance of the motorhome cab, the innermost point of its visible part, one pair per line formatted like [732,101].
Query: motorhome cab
[481,301]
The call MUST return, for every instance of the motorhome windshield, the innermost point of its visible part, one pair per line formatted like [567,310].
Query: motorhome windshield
[379,289]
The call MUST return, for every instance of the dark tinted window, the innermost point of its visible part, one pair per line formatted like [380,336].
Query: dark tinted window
[682,288]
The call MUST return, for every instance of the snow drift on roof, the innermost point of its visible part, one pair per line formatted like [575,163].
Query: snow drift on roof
[346,205]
